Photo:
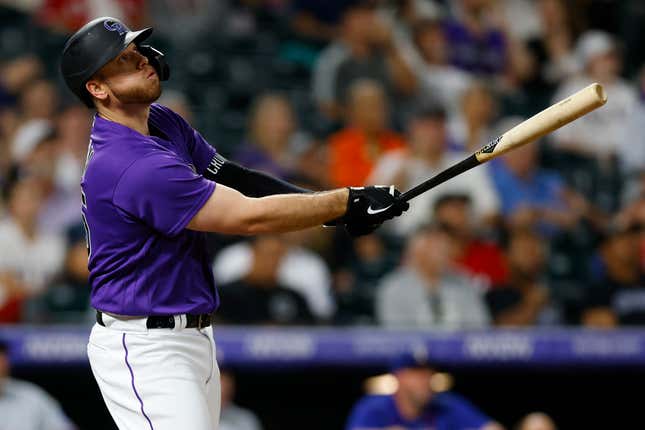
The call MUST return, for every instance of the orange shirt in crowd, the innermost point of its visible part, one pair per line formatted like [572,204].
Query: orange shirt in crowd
[352,157]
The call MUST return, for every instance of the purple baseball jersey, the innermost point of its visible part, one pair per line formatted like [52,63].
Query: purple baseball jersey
[138,194]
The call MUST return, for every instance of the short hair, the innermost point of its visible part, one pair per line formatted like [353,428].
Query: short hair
[428,110]
[448,198]
[434,227]
[361,84]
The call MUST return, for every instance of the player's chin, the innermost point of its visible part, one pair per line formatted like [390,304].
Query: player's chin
[155,91]
[147,93]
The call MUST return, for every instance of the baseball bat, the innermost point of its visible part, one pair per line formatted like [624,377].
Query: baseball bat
[540,124]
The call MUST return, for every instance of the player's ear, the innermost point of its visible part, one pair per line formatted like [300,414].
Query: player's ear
[97,89]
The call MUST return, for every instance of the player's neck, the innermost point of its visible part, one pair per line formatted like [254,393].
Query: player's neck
[132,116]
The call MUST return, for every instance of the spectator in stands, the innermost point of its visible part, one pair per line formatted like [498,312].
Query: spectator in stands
[523,89]
[60,168]
[532,197]
[25,406]
[45,155]
[471,128]
[414,405]
[524,299]
[475,255]
[427,290]
[26,138]
[631,149]
[426,156]
[68,15]
[38,100]
[15,75]
[536,421]
[598,134]
[28,258]
[477,43]
[67,299]
[259,297]
[354,150]
[633,213]
[364,49]
[617,297]
[271,127]
[37,104]
[370,259]
[298,269]
[519,19]
[316,21]
[404,15]
[556,41]
[438,79]
[232,416]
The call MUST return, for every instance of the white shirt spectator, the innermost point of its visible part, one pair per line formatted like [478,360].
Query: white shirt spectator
[34,260]
[301,270]
[25,406]
[601,131]
[458,132]
[475,183]
[631,149]
[404,301]
[521,18]
[234,417]
[445,84]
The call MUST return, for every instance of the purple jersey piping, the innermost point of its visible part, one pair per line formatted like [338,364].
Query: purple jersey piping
[132,379]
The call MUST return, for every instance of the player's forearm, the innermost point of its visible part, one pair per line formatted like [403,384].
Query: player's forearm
[228,211]
[289,212]
[251,183]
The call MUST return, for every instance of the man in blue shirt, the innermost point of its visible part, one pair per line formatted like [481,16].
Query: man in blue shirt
[414,405]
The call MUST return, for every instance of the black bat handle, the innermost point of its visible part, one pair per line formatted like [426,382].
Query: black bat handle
[441,177]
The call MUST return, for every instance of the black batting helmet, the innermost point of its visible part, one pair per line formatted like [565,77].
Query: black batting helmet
[95,44]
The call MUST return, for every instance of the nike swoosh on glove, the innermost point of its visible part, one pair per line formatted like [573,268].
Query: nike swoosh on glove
[369,207]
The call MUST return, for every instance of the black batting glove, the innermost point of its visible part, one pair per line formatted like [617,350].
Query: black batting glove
[369,207]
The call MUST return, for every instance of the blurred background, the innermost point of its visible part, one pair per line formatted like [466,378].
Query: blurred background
[523,279]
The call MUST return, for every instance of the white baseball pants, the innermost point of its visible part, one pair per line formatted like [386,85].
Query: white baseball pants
[156,379]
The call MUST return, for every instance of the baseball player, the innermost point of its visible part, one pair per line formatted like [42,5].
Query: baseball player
[414,405]
[151,187]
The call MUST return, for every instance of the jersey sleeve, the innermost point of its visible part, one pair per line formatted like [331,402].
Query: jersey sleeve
[162,191]
[200,150]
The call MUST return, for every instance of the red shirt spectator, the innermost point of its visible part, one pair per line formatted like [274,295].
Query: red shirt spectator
[485,259]
[476,256]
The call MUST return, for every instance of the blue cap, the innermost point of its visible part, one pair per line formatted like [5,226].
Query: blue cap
[416,358]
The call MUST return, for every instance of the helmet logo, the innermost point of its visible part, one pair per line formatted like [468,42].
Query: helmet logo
[115,26]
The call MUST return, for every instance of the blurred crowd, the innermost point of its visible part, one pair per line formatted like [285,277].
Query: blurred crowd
[349,93]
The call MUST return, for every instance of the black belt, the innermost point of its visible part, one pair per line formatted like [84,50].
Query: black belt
[192,321]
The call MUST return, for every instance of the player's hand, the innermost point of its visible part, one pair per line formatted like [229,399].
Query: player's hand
[369,207]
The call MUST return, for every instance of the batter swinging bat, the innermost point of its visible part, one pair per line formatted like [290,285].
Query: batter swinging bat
[550,119]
